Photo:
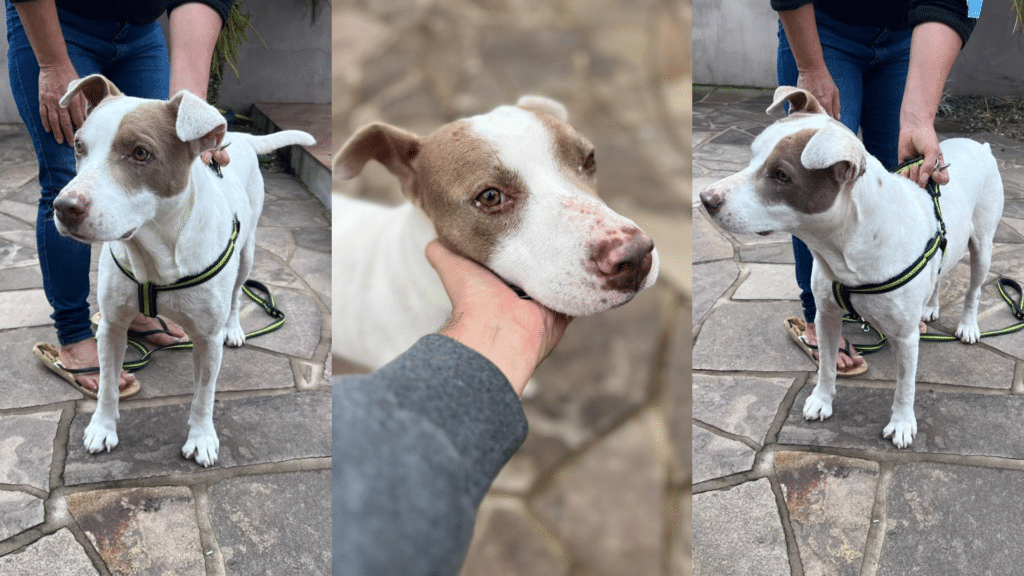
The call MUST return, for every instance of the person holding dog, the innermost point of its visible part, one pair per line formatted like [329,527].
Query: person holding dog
[878,68]
[417,443]
[51,43]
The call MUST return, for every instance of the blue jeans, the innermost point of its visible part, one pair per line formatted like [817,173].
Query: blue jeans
[869,67]
[135,59]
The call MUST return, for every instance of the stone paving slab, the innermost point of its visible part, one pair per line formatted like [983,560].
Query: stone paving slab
[26,448]
[749,336]
[737,531]
[740,405]
[947,422]
[715,456]
[829,501]
[252,431]
[142,530]
[20,512]
[507,541]
[969,516]
[58,553]
[717,278]
[261,520]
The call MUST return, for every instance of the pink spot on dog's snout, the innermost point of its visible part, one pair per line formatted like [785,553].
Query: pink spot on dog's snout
[624,260]
[71,207]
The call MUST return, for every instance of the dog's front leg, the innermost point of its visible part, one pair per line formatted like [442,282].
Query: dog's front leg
[829,323]
[101,433]
[202,443]
[902,426]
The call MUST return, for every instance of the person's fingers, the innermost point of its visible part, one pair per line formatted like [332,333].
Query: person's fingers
[66,129]
[44,115]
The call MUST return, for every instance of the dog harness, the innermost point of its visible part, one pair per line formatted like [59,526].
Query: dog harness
[938,242]
[149,290]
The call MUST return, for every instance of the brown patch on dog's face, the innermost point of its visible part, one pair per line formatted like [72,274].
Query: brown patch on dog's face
[146,152]
[457,177]
[783,179]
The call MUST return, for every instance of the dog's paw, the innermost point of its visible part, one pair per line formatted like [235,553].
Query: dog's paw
[202,446]
[931,313]
[234,336]
[816,408]
[100,435]
[968,333]
[901,430]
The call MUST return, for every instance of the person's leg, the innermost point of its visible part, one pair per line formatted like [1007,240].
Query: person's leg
[883,94]
[845,58]
[64,261]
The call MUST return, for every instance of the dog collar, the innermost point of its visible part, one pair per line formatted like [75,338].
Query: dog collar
[149,290]
[938,242]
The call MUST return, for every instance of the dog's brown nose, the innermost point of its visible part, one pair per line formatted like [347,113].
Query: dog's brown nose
[625,261]
[71,208]
[712,200]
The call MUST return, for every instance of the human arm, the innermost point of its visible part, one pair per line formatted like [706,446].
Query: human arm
[42,27]
[934,47]
[802,33]
[193,28]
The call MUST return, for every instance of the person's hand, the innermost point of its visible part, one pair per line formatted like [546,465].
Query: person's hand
[61,122]
[220,155]
[819,82]
[487,316]
[918,138]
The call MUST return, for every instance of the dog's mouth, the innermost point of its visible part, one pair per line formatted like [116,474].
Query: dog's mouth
[765,232]
[127,235]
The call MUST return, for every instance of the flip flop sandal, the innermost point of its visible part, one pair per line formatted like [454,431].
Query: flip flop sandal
[796,327]
[146,334]
[50,357]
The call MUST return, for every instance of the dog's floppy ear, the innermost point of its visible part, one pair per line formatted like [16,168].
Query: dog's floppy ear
[95,88]
[196,122]
[837,148]
[393,147]
[545,105]
[800,100]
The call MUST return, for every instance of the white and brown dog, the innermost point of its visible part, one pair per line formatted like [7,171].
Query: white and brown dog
[513,189]
[811,177]
[165,216]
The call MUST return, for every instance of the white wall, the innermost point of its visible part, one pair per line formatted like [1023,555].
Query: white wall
[295,67]
[735,42]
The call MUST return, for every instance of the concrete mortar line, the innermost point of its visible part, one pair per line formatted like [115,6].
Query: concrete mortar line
[785,407]
[725,296]
[213,557]
[1017,385]
[195,477]
[796,565]
[876,529]
[748,442]
[899,458]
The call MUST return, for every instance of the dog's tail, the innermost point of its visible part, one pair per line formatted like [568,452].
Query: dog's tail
[271,142]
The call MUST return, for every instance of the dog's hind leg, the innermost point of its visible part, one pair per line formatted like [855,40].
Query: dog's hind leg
[981,258]
[234,335]
[202,442]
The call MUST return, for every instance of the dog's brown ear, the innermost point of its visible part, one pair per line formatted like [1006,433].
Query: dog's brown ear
[197,122]
[835,147]
[393,147]
[800,100]
[545,105]
[95,88]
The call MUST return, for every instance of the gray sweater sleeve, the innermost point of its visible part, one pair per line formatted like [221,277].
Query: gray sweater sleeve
[416,445]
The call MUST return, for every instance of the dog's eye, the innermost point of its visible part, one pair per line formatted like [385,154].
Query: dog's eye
[590,164]
[79,148]
[140,154]
[489,199]
[781,176]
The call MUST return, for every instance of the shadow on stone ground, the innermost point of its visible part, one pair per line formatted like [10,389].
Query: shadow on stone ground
[601,486]
[142,508]
[775,494]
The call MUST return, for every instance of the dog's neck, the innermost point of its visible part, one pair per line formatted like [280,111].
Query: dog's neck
[855,250]
[168,247]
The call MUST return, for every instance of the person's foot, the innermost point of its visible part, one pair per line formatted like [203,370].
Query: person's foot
[84,354]
[845,361]
[155,333]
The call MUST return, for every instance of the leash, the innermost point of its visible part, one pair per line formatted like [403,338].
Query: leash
[250,289]
[1003,285]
